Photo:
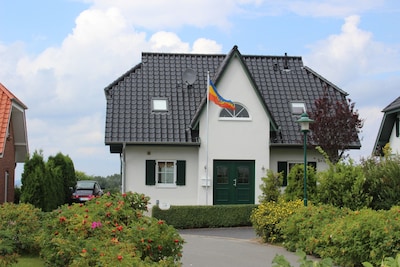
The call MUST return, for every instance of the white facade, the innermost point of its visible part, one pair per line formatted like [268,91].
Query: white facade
[296,155]
[177,195]
[394,141]
[234,138]
[228,139]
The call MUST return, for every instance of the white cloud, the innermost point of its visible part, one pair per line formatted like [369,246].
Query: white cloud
[203,45]
[363,67]
[352,54]
[63,85]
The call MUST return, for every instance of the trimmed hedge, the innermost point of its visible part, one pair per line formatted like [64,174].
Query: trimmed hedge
[183,217]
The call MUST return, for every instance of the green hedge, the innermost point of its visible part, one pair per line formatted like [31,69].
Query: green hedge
[205,216]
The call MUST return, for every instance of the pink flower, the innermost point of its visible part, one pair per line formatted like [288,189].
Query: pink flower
[96,224]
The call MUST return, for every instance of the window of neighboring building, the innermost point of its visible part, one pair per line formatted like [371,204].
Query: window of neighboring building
[239,112]
[298,108]
[165,173]
[159,105]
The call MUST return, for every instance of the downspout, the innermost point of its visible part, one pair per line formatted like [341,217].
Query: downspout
[123,168]
[6,175]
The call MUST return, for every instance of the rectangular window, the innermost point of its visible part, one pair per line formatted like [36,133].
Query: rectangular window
[159,105]
[166,173]
[298,108]
[285,168]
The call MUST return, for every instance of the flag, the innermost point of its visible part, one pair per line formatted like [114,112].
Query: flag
[215,97]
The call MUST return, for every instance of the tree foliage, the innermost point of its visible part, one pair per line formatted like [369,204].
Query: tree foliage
[32,189]
[336,125]
[67,172]
[46,185]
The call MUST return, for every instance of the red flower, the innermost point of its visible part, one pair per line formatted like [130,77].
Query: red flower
[62,219]
[119,228]
[84,250]
[160,222]
[176,241]
[119,257]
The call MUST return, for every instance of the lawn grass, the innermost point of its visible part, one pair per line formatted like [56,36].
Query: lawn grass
[29,261]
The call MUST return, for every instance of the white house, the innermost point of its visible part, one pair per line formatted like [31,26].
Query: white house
[389,131]
[179,149]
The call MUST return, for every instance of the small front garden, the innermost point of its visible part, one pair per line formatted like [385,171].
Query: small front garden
[352,217]
[107,231]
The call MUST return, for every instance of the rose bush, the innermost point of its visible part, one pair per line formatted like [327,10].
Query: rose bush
[109,231]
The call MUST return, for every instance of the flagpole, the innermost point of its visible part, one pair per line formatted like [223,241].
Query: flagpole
[208,101]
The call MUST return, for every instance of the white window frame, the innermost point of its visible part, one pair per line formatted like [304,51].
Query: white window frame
[295,105]
[174,173]
[233,117]
[159,104]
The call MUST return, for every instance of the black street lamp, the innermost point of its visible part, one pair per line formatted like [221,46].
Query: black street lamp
[304,122]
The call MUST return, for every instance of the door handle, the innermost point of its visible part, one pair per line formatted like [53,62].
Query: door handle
[234,182]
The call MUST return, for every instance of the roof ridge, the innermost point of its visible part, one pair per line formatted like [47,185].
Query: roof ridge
[11,96]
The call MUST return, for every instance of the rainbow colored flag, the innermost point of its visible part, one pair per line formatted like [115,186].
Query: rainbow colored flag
[215,97]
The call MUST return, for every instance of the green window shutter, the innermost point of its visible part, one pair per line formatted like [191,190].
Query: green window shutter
[282,167]
[181,172]
[150,172]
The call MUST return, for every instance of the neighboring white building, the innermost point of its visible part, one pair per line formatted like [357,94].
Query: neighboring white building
[177,149]
[389,131]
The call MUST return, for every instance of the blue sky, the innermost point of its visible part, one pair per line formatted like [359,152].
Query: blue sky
[57,56]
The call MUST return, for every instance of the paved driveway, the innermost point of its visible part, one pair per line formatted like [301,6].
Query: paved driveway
[229,247]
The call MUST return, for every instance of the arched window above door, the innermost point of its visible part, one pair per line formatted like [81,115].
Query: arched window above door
[240,112]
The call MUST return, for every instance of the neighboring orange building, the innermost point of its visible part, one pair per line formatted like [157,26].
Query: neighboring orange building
[13,141]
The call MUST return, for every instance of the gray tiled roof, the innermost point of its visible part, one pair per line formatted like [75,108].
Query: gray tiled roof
[129,118]
[395,105]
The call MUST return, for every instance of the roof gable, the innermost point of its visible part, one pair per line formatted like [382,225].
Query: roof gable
[278,80]
[10,104]
[390,116]
[234,53]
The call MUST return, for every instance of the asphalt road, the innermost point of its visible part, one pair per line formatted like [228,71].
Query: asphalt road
[230,247]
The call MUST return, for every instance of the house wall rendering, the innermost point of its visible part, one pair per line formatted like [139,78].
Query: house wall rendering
[394,139]
[235,138]
[136,170]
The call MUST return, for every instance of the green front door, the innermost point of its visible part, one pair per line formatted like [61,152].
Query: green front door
[233,182]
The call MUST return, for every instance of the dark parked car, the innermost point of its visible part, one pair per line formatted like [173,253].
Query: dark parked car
[86,190]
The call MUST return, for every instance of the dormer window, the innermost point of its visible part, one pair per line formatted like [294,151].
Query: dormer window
[298,108]
[159,105]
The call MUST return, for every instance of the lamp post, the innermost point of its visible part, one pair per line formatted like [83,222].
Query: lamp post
[304,122]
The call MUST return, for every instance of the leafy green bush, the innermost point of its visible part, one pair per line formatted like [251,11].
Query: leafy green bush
[270,187]
[205,216]
[343,185]
[295,187]
[364,235]
[303,229]
[20,223]
[382,181]
[109,231]
[268,215]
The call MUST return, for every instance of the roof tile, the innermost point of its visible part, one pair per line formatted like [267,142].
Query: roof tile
[160,75]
